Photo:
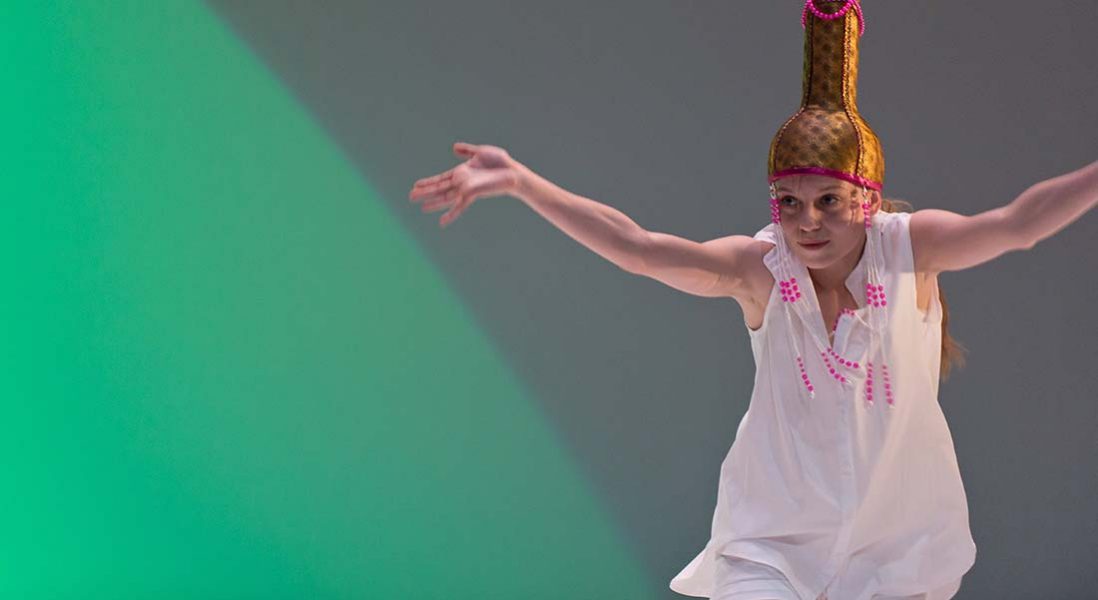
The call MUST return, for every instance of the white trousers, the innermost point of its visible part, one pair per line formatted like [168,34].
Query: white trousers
[741,579]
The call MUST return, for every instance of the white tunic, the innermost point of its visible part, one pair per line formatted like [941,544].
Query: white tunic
[857,499]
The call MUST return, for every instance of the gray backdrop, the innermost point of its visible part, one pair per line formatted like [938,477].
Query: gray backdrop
[665,110]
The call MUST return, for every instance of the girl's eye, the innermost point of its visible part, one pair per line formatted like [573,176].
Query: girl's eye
[828,200]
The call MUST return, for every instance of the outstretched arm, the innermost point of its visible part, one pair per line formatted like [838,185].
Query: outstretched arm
[946,241]
[492,171]
[603,229]
[712,269]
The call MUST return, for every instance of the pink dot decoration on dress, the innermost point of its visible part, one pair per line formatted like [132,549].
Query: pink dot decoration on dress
[845,311]
[804,375]
[869,383]
[875,295]
[790,291]
[832,370]
[850,364]
[888,384]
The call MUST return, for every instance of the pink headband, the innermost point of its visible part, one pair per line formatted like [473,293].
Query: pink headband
[856,180]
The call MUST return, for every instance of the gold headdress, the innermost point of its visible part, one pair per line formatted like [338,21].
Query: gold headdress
[827,136]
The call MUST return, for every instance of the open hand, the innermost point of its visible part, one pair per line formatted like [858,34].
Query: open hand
[490,171]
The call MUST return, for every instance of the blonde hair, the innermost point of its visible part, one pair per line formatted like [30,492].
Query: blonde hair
[953,353]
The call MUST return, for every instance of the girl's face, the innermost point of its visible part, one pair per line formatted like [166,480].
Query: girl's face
[817,208]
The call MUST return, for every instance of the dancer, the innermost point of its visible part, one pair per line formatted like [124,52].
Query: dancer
[842,482]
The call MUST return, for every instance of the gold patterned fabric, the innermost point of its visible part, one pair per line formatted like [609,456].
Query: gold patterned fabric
[827,135]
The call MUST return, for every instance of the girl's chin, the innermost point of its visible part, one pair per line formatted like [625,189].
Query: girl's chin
[815,260]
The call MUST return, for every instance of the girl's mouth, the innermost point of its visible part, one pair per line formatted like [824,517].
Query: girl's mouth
[815,245]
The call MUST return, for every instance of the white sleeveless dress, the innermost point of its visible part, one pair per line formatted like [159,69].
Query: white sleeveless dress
[841,496]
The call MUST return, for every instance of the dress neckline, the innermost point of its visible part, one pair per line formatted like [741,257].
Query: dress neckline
[855,283]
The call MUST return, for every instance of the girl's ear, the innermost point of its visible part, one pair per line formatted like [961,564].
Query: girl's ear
[875,200]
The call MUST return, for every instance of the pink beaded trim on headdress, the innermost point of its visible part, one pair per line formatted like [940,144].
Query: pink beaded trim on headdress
[855,179]
[810,5]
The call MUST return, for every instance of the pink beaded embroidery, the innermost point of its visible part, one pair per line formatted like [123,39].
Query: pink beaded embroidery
[810,5]
[869,382]
[868,217]
[790,291]
[850,364]
[888,385]
[845,311]
[830,369]
[775,212]
[804,375]
[875,295]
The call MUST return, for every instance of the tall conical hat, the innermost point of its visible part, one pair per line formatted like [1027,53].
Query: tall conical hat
[827,136]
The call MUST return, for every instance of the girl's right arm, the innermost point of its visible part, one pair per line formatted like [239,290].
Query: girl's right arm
[711,269]
[716,268]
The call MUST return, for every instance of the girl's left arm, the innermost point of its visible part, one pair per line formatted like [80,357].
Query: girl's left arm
[946,241]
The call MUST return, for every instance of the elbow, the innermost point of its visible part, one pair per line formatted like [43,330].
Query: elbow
[1026,238]
[1019,228]
[634,251]
[1022,239]
[1021,243]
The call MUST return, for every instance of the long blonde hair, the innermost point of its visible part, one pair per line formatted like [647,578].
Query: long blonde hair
[953,353]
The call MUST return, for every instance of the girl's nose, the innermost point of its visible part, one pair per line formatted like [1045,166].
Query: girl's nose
[810,223]
[811,220]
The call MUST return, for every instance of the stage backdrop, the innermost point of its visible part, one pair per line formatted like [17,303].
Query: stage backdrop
[238,363]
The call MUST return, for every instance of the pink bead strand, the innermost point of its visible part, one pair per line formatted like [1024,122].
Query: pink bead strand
[775,206]
[832,370]
[804,375]
[845,311]
[869,383]
[810,5]
[850,364]
[888,385]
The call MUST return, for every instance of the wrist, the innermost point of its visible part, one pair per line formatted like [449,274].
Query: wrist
[523,180]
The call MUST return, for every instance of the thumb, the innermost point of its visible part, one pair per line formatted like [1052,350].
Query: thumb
[463,149]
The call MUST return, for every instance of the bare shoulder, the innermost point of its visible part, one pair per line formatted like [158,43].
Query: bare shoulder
[745,260]
[943,240]
[758,277]
[747,253]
